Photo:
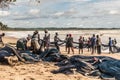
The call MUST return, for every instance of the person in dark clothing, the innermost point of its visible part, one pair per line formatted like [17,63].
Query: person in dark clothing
[114,42]
[80,45]
[98,44]
[1,41]
[66,45]
[93,43]
[22,43]
[56,40]
[89,44]
[70,43]
[110,45]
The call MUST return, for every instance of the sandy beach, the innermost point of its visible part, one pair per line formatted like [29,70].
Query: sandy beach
[93,29]
[42,70]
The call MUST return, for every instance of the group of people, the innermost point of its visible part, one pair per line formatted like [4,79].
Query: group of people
[92,44]
[38,44]
[112,45]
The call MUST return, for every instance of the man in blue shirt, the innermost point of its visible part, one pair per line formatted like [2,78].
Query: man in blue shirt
[93,43]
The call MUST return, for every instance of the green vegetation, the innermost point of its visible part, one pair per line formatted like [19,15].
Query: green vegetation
[53,28]
[3,26]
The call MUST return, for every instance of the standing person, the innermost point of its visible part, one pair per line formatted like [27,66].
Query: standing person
[89,44]
[83,39]
[80,45]
[110,45]
[1,41]
[98,44]
[93,43]
[56,40]
[46,39]
[22,43]
[70,43]
[66,40]
[35,42]
[114,42]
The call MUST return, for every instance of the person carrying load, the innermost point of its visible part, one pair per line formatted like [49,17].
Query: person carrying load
[35,42]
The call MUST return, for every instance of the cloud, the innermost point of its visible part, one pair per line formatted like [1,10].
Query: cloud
[71,13]
[65,13]
[4,13]
[59,14]
[82,0]
[114,12]
[28,15]
[52,22]
[68,24]
[34,11]
[25,18]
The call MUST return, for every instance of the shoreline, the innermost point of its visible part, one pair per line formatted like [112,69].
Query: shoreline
[53,29]
[104,34]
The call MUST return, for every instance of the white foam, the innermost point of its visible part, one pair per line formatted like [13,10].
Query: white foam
[18,34]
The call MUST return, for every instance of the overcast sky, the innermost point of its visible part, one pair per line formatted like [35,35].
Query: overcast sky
[63,13]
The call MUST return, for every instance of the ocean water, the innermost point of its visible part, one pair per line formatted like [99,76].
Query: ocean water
[105,34]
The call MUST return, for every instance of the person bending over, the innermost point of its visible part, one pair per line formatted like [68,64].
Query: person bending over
[22,43]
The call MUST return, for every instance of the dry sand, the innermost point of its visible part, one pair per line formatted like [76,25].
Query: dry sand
[42,70]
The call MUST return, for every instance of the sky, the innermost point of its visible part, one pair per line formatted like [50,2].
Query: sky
[62,13]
